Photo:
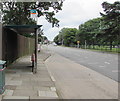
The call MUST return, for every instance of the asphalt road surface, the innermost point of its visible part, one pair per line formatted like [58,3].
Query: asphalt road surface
[104,63]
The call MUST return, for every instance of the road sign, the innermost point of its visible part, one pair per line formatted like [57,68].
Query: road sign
[78,42]
[33,13]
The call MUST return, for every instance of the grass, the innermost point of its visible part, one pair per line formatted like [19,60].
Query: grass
[101,48]
[105,49]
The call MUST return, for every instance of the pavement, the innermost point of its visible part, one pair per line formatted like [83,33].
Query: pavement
[21,83]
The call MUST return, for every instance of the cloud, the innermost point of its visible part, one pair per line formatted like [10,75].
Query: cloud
[52,32]
[74,13]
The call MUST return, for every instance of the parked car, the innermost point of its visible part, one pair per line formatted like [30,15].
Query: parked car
[54,44]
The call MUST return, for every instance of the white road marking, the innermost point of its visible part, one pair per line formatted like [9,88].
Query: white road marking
[93,63]
[53,79]
[47,94]
[107,62]
[101,66]
[86,57]
[115,71]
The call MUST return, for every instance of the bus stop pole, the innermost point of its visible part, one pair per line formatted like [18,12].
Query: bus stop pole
[36,50]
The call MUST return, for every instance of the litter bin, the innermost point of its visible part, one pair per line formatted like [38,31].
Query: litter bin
[2,76]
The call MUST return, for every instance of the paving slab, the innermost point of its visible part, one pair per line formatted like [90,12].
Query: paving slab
[42,68]
[41,88]
[37,98]
[41,72]
[0,97]
[30,83]
[10,87]
[46,83]
[41,79]
[12,75]
[8,78]
[27,75]
[53,89]
[25,93]
[8,93]
[14,83]
[16,97]
[21,83]
[23,87]
[47,94]
[51,94]
[23,78]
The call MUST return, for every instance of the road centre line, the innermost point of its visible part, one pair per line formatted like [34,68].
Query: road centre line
[115,71]
[101,66]
[107,62]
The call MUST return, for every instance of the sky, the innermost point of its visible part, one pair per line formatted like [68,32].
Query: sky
[73,13]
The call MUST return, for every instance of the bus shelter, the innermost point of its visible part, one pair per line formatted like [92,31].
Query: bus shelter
[21,29]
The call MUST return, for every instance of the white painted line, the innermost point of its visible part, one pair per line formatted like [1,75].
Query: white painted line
[47,94]
[107,62]
[86,57]
[53,89]
[51,94]
[53,79]
[101,66]
[93,63]
[115,71]
[42,93]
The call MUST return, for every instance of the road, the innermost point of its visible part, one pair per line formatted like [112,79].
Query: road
[75,81]
[104,63]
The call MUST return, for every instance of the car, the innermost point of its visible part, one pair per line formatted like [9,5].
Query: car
[54,44]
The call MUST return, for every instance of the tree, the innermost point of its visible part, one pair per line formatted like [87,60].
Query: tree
[70,36]
[56,40]
[111,20]
[89,32]
[66,36]
[19,12]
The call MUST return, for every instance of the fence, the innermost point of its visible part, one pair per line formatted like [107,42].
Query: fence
[97,47]
[15,45]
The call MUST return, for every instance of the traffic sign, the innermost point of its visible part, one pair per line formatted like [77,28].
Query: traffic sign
[33,13]
[78,42]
